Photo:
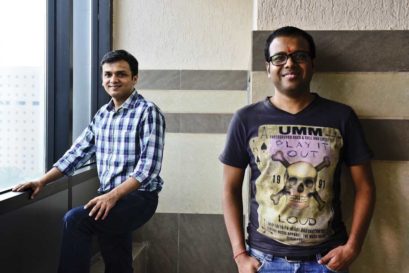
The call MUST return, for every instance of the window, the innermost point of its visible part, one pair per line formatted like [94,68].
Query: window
[72,24]
[22,90]
[49,80]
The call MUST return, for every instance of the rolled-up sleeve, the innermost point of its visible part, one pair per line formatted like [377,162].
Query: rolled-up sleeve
[151,141]
[80,152]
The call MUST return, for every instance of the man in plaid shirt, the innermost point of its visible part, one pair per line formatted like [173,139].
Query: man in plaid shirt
[126,136]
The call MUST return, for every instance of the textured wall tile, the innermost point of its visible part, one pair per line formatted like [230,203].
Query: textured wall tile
[387,238]
[389,139]
[197,123]
[200,101]
[214,80]
[185,34]
[192,79]
[204,245]
[260,86]
[192,173]
[161,235]
[336,15]
[158,79]
[374,95]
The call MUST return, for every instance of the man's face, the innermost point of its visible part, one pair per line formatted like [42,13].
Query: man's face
[117,80]
[290,78]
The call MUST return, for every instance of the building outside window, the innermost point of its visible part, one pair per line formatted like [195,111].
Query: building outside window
[22,90]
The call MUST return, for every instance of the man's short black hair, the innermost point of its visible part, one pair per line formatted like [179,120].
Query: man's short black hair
[121,55]
[289,31]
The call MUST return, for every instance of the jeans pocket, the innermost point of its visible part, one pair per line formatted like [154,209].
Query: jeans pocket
[263,262]
[259,258]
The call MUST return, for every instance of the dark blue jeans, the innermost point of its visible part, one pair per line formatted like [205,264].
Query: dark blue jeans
[114,234]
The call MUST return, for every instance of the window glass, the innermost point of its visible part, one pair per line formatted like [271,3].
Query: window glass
[81,66]
[22,90]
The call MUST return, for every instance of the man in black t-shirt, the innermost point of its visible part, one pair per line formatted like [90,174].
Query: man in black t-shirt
[295,143]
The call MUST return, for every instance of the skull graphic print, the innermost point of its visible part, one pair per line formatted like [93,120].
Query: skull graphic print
[294,189]
[300,182]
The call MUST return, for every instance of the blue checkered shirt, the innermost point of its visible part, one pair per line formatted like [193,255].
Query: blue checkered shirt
[127,142]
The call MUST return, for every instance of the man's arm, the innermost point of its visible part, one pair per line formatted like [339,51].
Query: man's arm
[233,217]
[341,257]
[80,152]
[152,142]
[37,185]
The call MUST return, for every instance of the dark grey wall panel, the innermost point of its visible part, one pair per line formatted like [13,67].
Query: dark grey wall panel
[193,79]
[30,230]
[213,80]
[162,235]
[159,79]
[389,139]
[186,243]
[30,236]
[197,123]
[84,187]
[204,244]
[349,51]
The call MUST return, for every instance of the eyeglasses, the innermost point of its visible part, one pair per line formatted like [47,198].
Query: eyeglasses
[298,57]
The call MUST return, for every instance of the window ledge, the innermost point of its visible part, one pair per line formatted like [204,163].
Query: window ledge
[10,200]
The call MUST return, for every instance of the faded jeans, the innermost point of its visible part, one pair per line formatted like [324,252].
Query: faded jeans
[271,264]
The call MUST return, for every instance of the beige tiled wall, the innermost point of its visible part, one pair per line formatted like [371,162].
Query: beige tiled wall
[197,38]
[191,170]
[332,15]
[185,34]
[192,174]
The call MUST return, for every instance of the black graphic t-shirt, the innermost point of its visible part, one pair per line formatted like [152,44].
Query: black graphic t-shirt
[295,162]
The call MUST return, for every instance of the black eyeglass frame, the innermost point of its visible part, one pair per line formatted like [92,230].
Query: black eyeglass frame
[288,56]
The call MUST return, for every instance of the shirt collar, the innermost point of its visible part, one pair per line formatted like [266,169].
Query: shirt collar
[129,103]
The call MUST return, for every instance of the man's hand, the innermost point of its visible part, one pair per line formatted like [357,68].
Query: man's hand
[247,264]
[101,205]
[35,186]
[339,258]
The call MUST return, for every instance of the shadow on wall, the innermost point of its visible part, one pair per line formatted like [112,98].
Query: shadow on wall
[387,239]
